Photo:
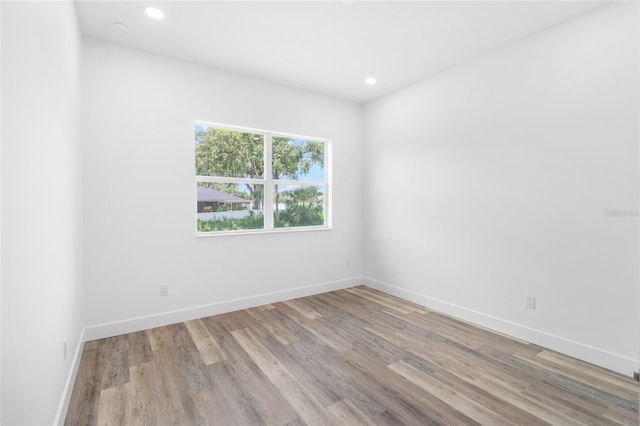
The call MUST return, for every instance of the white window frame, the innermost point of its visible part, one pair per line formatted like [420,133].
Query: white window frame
[268,181]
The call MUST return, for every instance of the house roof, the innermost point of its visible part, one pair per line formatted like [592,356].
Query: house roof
[211,196]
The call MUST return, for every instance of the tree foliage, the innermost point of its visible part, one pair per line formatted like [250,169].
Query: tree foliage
[229,153]
[251,221]
[293,159]
[304,207]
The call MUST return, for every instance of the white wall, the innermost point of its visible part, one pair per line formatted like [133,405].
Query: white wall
[506,165]
[42,296]
[139,112]
[0,223]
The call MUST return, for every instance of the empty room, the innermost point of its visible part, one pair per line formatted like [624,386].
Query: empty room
[320,212]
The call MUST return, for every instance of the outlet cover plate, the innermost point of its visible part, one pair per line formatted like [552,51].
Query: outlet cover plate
[530,302]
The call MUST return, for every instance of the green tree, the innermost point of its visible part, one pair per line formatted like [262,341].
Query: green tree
[221,152]
[292,159]
[231,153]
[304,207]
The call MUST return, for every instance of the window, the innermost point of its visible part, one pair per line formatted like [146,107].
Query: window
[238,169]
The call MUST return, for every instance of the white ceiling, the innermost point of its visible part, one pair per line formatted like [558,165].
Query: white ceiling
[327,47]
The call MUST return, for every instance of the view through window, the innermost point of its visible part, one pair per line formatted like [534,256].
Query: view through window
[238,169]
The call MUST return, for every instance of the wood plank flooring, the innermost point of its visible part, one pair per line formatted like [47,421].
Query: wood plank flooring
[349,357]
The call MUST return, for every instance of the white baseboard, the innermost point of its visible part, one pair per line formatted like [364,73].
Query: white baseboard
[143,323]
[61,414]
[593,355]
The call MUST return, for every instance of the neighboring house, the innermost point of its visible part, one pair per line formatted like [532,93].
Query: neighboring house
[210,200]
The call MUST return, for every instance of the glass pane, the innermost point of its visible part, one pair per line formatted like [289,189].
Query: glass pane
[298,206]
[297,159]
[228,153]
[229,207]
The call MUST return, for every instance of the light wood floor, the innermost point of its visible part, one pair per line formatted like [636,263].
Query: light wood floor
[348,357]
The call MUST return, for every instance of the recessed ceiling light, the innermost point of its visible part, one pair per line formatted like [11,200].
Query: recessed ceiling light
[155,13]
[370,81]
[121,27]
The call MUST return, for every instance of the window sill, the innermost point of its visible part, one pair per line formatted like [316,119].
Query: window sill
[256,232]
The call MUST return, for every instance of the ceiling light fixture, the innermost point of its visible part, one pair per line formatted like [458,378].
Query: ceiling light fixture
[155,13]
[370,81]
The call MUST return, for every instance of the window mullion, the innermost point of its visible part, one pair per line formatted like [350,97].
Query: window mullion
[298,182]
[268,184]
[221,179]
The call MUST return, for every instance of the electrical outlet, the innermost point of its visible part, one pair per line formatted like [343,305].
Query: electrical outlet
[64,349]
[530,302]
[348,263]
[164,289]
